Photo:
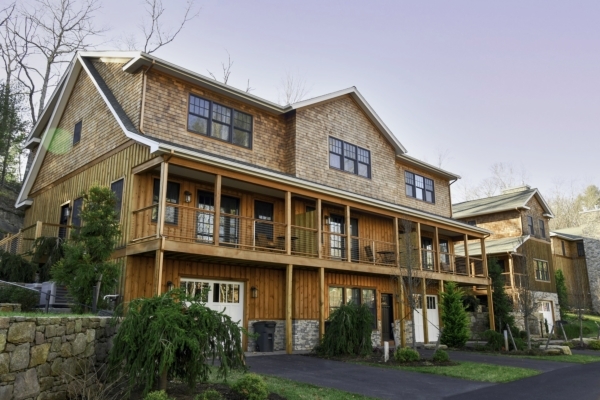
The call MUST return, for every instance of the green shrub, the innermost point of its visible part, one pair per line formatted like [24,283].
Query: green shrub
[568,344]
[349,332]
[209,394]
[572,330]
[495,340]
[252,386]
[160,335]
[406,354]
[157,395]
[523,335]
[594,344]
[520,343]
[441,356]
[15,268]
[28,299]
[454,317]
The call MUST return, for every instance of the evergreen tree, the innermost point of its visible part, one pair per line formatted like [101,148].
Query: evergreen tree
[454,317]
[86,261]
[561,291]
[503,305]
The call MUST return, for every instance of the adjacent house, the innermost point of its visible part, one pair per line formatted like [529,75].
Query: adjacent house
[281,213]
[520,244]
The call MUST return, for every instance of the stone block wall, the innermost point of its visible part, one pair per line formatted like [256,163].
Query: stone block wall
[479,322]
[305,334]
[40,356]
[592,258]
[279,335]
[408,326]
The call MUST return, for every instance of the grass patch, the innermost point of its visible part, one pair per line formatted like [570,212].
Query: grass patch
[472,371]
[575,358]
[43,314]
[293,390]
[590,329]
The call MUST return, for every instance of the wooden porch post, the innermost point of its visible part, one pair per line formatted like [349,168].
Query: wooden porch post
[158,268]
[401,311]
[484,258]
[39,225]
[217,217]
[288,223]
[440,291]
[418,246]
[348,235]
[436,249]
[400,298]
[319,228]
[424,310]
[288,309]
[490,300]
[162,198]
[467,262]
[321,302]
[511,274]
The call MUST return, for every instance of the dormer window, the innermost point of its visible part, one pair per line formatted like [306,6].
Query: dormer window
[208,118]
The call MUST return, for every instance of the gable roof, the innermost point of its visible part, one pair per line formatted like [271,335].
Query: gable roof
[570,234]
[495,246]
[500,203]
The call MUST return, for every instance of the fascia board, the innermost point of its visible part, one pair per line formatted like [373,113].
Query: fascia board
[431,168]
[547,208]
[63,96]
[257,172]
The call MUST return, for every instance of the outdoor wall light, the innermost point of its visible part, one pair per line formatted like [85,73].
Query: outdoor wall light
[254,292]
[170,285]
[188,197]
[67,212]
[327,220]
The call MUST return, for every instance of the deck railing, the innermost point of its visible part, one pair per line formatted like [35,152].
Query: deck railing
[23,241]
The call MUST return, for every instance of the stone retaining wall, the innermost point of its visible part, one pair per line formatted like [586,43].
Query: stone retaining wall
[40,356]
[479,322]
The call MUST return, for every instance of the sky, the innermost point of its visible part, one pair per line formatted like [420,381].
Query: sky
[475,82]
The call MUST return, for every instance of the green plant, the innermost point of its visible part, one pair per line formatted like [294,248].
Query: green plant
[454,317]
[87,255]
[28,299]
[157,395]
[406,354]
[441,356]
[495,340]
[252,386]
[594,344]
[160,337]
[470,302]
[520,343]
[349,332]
[561,291]
[523,335]
[209,394]
[503,305]
[45,252]
[15,268]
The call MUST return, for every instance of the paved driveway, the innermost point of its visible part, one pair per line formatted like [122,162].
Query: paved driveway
[377,382]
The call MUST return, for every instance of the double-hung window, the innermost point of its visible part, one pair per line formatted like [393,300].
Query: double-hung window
[220,122]
[340,295]
[171,213]
[117,188]
[542,273]
[530,224]
[419,187]
[580,249]
[542,228]
[350,158]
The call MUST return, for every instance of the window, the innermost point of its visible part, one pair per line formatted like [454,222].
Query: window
[472,222]
[171,213]
[215,120]
[542,228]
[263,211]
[339,296]
[205,223]
[580,249]
[77,133]
[541,270]
[63,221]
[419,187]
[530,224]
[76,217]
[350,158]
[562,244]
[117,189]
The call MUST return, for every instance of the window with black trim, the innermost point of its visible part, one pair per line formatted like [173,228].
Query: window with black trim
[580,249]
[76,216]
[172,196]
[350,158]
[77,133]
[341,295]
[208,118]
[419,187]
[530,224]
[117,189]
[542,273]
[562,244]
[542,228]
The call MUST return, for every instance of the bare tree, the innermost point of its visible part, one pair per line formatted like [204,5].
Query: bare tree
[226,71]
[580,295]
[526,296]
[291,89]
[409,262]
[503,176]
[156,35]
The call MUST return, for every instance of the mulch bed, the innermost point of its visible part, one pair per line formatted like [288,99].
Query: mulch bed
[181,391]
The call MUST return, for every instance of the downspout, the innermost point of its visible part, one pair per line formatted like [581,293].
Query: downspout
[450,195]
[144,74]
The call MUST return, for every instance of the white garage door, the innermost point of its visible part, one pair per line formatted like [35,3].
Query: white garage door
[433,319]
[546,310]
[218,295]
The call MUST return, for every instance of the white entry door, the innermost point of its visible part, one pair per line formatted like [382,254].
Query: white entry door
[433,319]
[218,295]
[546,310]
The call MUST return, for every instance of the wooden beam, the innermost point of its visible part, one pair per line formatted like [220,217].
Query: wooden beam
[217,218]
[150,164]
[321,302]
[288,223]
[418,246]
[397,243]
[39,226]
[467,261]
[348,234]
[490,300]
[401,314]
[319,228]
[511,271]
[440,291]
[484,258]
[288,309]
[424,310]
[436,249]
[158,269]
[162,198]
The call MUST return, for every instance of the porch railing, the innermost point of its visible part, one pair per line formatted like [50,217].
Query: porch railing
[23,241]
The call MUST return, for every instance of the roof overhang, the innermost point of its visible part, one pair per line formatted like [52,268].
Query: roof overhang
[406,159]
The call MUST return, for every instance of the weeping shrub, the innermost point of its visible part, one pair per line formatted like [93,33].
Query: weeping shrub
[15,268]
[28,299]
[45,252]
[161,337]
[349,332]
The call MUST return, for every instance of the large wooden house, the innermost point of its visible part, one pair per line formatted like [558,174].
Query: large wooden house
[283,212]
[520,244]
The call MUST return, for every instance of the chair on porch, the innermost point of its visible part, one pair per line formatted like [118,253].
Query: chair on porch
[263,241]
[369,253]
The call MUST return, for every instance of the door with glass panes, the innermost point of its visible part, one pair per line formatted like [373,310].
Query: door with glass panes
[218,295]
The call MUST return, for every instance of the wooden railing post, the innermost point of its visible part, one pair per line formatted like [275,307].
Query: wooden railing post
[217,217]
[484,258]
[288,308]
[348,234]
[288,223]
[162,199]
[436,249]
[319,229]
[467,261]
[418,245]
